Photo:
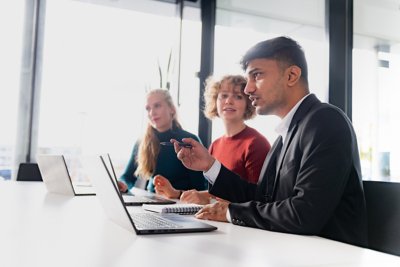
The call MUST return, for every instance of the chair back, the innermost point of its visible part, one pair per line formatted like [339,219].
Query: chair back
[29,172]
[383,209]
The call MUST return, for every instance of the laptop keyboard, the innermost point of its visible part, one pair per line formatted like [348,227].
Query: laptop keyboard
[152,221]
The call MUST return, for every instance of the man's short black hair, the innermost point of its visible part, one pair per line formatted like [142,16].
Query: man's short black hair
[282,49]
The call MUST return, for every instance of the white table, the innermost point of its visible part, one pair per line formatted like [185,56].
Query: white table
[42,229]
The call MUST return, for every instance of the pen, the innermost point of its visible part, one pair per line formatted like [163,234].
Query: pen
[179,143]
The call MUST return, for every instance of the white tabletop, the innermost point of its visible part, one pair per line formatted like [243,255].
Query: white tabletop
[42,229]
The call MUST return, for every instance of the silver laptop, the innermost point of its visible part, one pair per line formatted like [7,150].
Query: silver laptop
[139,222]
[130,198]
[57,179]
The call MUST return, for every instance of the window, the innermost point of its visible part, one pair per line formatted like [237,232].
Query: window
[96,72]
[189,84]
[376,68]
[11,28]
[241,24]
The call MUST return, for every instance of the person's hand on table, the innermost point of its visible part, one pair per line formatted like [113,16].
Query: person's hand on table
[214,212]
[163,187]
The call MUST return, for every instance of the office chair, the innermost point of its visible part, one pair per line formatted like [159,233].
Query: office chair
[29,172]
[383,209]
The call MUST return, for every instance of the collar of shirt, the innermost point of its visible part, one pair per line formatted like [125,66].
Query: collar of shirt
[283,126]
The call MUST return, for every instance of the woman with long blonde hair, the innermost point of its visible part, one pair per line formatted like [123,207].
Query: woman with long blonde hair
[150,158]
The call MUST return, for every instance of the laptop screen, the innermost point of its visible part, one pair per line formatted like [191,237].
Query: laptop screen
[107,192]
[115,209]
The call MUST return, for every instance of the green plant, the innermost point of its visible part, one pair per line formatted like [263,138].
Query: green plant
[165,83]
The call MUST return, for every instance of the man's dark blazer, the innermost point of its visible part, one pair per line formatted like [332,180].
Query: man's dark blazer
[317,189]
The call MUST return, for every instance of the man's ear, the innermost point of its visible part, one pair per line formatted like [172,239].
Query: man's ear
[294,75]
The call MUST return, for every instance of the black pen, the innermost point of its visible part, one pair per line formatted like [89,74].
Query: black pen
[179,143]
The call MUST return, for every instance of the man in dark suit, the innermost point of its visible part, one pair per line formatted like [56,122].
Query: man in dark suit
[311,180]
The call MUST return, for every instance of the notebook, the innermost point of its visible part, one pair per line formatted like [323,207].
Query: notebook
[130,198]
[184,209]
[137,221]
[57,179]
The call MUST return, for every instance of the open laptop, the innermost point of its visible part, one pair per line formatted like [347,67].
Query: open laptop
[130,198]
[57,179]
[137,221]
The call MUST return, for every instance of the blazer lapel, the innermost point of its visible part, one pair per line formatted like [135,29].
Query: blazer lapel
[301,112]
[268,171]
[288,140]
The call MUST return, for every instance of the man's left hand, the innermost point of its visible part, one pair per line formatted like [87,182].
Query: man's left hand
[214,212]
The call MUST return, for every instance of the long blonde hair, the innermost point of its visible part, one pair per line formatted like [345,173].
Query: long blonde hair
[150,144]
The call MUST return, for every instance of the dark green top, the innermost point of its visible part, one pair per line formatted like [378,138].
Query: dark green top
[167,165]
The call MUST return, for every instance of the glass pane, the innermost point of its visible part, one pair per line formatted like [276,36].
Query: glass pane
[241,24]
[188,101]
[96,72]
[376,68]
[11,29]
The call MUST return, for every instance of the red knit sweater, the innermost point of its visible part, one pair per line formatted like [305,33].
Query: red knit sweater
[243,153]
